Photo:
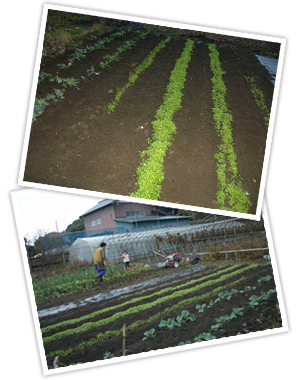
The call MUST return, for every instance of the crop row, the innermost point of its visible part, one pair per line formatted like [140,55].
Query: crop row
[230,196]
[150,172]
[110,333]
[135,309]
[133,300]
[222,295]
[41,103]
[133,76]
[259,99]
[67,282]
[254,301]
[99,45]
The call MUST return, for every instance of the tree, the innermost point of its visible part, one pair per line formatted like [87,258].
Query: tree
[76,225]
[30,249]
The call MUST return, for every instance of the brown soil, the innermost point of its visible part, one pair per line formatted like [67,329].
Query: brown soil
[262,317]
[75,144]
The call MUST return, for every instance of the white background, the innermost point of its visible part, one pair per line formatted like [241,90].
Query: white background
[256,359]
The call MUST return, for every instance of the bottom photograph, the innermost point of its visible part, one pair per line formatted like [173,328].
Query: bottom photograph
[127,278]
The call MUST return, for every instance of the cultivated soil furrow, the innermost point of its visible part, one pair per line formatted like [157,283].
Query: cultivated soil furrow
[195,141]
[165,337]
[76,144]
[248,127]
[180,284]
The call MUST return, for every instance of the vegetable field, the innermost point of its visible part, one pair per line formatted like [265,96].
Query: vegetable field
[154,115]
[209,302]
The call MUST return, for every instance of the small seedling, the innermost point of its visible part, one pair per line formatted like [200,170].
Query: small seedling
[216,327]
[237,312]
[256,300]
[108,355]
[249,288]
[264,279]
[184,343]
[204,336]
[148,334]
[226,295]
[185,316]
[170,323]
[200,308]
[92,71]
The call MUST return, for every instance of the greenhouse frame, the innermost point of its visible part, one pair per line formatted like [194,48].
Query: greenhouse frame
[220,238]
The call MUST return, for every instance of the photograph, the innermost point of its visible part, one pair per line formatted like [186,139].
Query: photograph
[149,198]
[165,113]
[126,279]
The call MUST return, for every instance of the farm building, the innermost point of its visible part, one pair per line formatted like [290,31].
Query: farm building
[128,216]
[187,240]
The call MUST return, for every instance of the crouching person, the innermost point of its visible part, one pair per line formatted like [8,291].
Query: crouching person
[100,261]
[126,259]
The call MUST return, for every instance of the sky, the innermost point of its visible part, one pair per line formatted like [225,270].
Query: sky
[37,209]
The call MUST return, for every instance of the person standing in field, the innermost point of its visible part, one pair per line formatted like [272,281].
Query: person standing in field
[126,259]
[100,261]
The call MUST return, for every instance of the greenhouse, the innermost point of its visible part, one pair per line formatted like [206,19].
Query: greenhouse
[220,236]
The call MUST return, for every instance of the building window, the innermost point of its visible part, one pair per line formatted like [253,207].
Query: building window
[132,214]
[96,222]
[129,214]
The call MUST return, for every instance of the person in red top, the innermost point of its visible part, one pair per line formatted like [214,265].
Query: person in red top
[126,259]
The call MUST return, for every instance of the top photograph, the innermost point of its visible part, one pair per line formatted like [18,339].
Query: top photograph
[152,110]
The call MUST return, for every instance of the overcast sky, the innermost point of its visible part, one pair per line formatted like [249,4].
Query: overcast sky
[37,209]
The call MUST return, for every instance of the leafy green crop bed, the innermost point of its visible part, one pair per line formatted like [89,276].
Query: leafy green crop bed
[211,304]
[155,116]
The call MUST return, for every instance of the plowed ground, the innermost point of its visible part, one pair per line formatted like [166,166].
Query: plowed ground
[75,144]
[262,317]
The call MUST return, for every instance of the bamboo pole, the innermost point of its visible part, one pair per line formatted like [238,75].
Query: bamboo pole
[124,339]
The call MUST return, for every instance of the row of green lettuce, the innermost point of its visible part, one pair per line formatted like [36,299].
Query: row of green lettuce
[134,300]
[135,309]
[230,194]
[134,75]
[150,172]
[220,290]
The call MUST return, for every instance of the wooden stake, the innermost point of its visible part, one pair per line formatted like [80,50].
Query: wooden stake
[124,339]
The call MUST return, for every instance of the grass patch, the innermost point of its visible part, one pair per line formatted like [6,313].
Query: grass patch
[62,33]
